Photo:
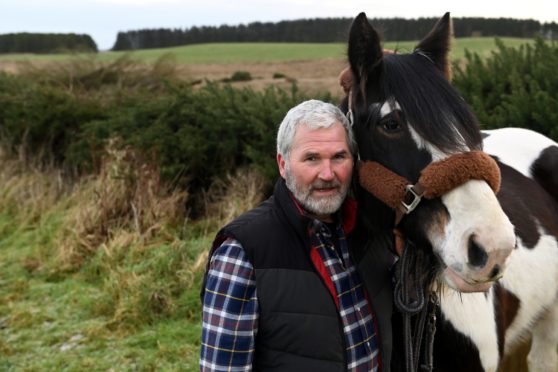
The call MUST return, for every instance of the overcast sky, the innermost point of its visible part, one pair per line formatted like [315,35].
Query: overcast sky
[102,19]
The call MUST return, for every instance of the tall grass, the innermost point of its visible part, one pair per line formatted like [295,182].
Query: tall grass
[105,274]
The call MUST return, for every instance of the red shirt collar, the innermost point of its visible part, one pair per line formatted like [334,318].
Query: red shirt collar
[348,212]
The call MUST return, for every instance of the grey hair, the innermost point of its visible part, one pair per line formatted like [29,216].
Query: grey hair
[314,114]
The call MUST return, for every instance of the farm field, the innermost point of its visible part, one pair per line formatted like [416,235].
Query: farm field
[225,53]
[315,67]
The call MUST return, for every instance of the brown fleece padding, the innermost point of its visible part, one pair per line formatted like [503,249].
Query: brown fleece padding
[444,175]
[382,183]
[436,179]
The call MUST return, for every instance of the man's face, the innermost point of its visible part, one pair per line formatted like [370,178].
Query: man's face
[318,171]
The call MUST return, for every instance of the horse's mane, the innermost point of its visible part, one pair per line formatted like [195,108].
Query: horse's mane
[429,102]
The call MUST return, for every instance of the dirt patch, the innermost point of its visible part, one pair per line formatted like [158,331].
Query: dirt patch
[311,76]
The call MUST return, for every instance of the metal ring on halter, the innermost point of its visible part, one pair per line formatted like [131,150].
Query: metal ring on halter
[408,208]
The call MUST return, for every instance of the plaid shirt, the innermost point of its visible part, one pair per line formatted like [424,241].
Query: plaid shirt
[230,305]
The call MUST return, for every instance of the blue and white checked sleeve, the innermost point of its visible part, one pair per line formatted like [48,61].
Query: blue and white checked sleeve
[230,311]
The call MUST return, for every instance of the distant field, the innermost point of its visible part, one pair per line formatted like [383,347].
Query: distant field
[315,67]
[224,53]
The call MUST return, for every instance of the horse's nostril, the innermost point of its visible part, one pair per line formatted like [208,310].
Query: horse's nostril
[476,253]
[495,271]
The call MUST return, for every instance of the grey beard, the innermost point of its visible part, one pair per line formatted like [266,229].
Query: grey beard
[318,206]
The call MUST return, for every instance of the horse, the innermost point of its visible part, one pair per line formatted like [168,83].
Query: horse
[491,236]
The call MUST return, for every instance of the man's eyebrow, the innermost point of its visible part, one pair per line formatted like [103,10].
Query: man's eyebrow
[311,153]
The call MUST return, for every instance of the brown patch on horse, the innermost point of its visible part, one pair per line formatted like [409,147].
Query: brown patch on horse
[346,80]
[444,175]
[506,306]
[440,219]
[346,77]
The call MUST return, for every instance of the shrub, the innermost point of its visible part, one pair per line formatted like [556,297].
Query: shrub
[514,87]
[241,76]
[64,117]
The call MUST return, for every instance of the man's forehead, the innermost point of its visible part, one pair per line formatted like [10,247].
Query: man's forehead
[332,139]
[333,132]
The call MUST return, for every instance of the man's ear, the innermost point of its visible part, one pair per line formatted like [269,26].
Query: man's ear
[281,164]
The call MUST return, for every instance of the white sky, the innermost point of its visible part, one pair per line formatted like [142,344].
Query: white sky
[102,19]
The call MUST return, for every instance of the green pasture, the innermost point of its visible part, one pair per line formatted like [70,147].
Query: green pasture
[267,52]
[93,319]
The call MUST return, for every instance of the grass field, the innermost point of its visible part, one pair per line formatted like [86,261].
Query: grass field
[223,53]
[105,276]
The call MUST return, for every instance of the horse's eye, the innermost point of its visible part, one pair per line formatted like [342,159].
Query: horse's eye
[390,125]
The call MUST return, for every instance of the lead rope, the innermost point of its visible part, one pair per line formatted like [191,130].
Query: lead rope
[430,332]
[410,301]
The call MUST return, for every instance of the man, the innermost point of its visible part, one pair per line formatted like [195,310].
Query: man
[281,292]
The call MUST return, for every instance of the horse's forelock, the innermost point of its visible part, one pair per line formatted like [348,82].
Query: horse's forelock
[431,105]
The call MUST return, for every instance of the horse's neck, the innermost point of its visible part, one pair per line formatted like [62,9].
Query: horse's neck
[376,216]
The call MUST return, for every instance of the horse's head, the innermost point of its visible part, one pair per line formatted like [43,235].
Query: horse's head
[407,116]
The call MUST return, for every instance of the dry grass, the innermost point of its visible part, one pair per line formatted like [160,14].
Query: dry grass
[126,203]
[27,192]
[228,198]
[121,234]
[311,76]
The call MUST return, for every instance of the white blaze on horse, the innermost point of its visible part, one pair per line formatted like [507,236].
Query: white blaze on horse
[492,242]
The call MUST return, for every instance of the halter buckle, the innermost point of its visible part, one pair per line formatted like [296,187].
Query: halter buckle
[410,192]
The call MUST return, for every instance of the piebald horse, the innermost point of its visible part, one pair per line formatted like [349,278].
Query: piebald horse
[492,241]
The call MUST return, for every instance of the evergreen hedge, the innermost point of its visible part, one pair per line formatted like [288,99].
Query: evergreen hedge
[26,42]
[515,87]
[195,136]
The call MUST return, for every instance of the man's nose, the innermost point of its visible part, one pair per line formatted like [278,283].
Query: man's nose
[327,173]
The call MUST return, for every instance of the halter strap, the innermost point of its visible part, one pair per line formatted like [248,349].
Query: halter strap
[436,179]
[349,114]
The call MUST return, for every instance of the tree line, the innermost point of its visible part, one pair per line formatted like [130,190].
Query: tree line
[317,30]
[321,30]
[26,42]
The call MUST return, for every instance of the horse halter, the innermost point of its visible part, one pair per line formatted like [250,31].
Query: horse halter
[437,179]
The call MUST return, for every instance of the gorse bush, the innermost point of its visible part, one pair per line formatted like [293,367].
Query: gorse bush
[241,76]
[63,116]
[514,87]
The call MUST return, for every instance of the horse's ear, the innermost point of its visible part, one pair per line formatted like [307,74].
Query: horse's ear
[436,45]
[365,51]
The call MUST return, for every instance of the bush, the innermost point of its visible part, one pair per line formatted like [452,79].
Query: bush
[64,117]
[238,76]
[514,87]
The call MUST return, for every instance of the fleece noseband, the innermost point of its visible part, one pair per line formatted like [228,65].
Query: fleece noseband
[435,180]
